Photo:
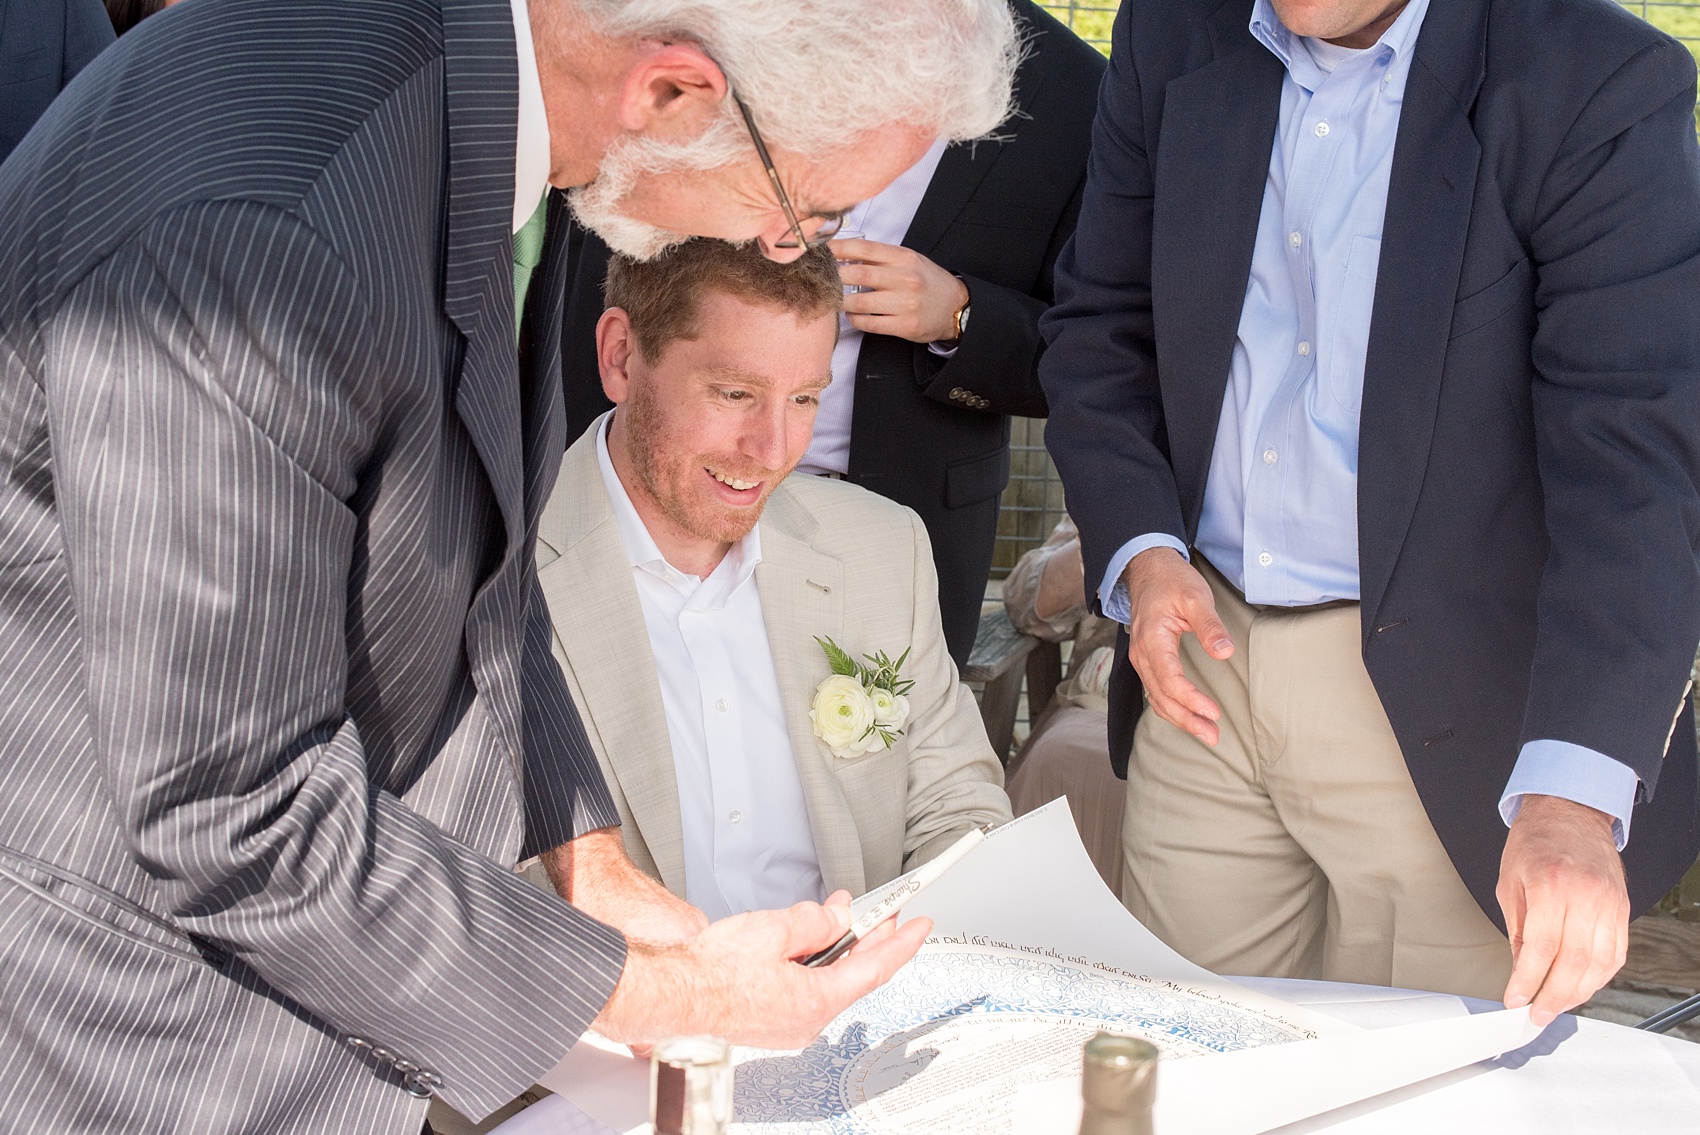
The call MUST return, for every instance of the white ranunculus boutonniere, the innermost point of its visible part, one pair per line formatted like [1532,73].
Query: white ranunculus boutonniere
[862,707]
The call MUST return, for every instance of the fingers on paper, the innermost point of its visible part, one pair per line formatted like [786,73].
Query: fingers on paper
[1569,941]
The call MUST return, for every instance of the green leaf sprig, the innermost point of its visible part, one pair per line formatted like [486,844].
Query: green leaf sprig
[880,672]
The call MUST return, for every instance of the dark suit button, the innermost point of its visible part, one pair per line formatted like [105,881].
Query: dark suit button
[957,394]
[404,1066]
[358,1044]
[383,1054]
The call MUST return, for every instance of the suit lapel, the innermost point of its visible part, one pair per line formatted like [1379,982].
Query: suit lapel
[594,605]
[1212,164]
[482,97]
[1422,253]
[962,167]
[540,359]
[802,595]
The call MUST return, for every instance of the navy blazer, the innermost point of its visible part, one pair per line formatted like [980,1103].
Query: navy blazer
[43,44]
[1530,435]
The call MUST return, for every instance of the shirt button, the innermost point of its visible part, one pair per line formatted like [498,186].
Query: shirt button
[1304,348]
[721,705]
[735,817]
[1264,559]
[1269,457]
[1322,129]
[1294,239]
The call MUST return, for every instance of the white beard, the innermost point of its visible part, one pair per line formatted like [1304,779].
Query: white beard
[597,205]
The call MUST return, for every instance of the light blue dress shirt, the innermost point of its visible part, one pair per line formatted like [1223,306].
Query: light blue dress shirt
[1280,514]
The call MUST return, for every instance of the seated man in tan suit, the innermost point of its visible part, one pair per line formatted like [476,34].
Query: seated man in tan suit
[689,580]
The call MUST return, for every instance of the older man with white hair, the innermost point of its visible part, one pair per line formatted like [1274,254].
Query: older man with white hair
[277,711]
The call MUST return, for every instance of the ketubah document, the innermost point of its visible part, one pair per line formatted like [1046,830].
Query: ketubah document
[981,1033]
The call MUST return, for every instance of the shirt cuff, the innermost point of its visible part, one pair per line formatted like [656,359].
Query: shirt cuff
[943,348]
[1112,592]
[1559,768]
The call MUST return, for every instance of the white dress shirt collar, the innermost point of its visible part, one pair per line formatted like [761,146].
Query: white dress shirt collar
[641,550]
[531,154]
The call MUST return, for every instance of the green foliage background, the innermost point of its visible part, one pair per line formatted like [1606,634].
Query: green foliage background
[1681,18]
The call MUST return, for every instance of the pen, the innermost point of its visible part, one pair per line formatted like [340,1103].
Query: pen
[899,891]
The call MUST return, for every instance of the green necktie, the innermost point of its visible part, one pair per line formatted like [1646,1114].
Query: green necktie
[528,251]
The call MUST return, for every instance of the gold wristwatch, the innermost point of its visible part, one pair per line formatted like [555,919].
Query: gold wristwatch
[962,318]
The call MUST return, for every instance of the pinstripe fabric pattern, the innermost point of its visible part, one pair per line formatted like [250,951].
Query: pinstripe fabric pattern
[277,708]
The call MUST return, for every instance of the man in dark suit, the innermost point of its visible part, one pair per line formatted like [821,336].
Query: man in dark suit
[43,44]
[1375,389]
[278,716]
[919,408]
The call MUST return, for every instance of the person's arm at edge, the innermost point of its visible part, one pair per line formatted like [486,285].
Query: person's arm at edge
[1619,451]
[1100,376]
[1099,367]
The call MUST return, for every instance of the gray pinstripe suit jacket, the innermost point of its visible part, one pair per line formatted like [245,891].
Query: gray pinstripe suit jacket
[277,707]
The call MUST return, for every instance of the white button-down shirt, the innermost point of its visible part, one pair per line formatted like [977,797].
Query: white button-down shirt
[885,217]
[748,844]
[531,153]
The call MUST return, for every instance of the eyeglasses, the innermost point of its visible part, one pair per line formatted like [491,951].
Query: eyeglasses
[830,222]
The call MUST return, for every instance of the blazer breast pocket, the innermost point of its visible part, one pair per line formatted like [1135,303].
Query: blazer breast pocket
[878,775]
[1007,215]
[1482,307]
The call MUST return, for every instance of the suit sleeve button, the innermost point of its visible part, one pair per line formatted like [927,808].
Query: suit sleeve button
[422,1085]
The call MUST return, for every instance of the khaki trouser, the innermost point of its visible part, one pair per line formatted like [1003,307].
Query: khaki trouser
[1297,847]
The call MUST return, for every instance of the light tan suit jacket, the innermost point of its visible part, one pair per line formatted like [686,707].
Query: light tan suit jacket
[837,561]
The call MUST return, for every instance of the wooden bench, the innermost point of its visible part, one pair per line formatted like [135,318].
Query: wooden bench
[997,662]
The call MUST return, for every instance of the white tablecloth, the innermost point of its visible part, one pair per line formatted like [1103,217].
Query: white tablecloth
[1582,1077]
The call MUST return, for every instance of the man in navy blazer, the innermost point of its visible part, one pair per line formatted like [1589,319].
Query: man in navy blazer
[43,44]
[1375,388]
